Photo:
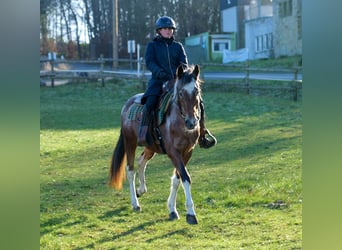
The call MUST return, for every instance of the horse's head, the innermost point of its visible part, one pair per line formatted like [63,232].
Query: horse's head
[187,94]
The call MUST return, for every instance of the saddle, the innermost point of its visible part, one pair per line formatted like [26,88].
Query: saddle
[136,110]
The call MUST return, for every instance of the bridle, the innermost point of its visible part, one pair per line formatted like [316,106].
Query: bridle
[177,96]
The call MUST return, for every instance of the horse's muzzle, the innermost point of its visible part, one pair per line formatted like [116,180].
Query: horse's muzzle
[190,123]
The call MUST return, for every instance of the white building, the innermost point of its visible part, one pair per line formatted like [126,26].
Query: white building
[259,29]
[287,20]
[267,28]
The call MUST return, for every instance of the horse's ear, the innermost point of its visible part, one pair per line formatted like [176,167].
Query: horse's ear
[180,71]
[196,71]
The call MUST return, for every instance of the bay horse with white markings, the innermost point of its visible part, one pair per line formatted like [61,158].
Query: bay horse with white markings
[179,131]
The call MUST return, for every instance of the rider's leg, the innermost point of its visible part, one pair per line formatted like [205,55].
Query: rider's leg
[151,102]
[210,140]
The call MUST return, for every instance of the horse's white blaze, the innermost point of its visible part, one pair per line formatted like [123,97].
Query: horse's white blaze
[189,87]
[188,199]
[171,202]
[131,180]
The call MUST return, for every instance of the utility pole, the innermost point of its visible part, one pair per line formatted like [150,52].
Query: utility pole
[115,34]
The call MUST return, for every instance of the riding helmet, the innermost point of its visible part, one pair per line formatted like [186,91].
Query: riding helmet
[165,22]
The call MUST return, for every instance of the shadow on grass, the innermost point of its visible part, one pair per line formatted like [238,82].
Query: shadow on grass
[56,223]
[182,232]
[119,212]
[133,230]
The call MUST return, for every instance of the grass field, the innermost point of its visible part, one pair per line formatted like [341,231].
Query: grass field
[247,190]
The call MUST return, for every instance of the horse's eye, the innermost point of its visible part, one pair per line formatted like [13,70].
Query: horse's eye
[181,94]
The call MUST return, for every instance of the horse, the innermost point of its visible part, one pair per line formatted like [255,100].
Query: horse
[179,131]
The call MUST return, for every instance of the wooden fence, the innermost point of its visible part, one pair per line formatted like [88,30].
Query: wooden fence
[102,71]
[245,82]
[98,71]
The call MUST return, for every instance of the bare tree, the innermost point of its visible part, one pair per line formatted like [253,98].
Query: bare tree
[136,20]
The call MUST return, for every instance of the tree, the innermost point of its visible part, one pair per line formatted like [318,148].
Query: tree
[136,21]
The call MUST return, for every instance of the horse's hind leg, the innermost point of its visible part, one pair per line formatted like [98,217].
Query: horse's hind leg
[131,180]
[171,202]
[142,162]
[131,177]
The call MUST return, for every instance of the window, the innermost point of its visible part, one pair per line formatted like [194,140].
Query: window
[269,41]
[299,27]
[220,45]
[257,43]
[299,19]
[263,42]
[285,8]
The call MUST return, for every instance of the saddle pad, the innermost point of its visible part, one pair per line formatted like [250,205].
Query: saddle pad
[134,111]
[163,106]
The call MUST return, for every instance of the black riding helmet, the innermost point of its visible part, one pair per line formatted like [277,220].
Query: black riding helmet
[165,22]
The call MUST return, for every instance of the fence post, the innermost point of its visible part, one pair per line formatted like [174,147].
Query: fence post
[138,60]
[52,64]
[247,82]
[294,85]
[101,70]
[142,76]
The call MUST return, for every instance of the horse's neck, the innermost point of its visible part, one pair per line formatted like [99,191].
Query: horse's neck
[168,86]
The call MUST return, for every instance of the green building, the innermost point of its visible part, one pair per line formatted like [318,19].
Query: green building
[206,47]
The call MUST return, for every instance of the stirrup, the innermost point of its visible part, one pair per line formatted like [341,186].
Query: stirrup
[207,142]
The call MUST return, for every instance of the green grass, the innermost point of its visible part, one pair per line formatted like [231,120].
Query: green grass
[247,190]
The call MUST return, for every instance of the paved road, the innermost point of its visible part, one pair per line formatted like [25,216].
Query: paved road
[280,76]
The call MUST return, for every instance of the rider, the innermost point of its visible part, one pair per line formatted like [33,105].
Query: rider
[163,56]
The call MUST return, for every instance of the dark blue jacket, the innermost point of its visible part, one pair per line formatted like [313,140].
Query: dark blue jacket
[162,58]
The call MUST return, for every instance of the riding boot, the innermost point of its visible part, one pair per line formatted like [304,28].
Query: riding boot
[143,128]
[206,139]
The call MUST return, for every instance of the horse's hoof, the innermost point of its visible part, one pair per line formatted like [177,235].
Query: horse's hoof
[139,194]
[136,209]
[173,216]
[191,219]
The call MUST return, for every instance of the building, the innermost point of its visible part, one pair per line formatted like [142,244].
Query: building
[232,17]
[259,29]
[207,47]
[287,33]
[267,28]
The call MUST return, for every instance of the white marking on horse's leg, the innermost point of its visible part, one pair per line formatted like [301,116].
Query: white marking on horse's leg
[142,166]
[188,199]
[131,180]
[171,202]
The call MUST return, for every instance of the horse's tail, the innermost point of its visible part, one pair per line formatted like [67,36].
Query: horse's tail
[117,168]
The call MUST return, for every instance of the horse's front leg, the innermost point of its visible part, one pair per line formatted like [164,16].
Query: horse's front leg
[131,180]
[186,182]
[171,201]
[191,215]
